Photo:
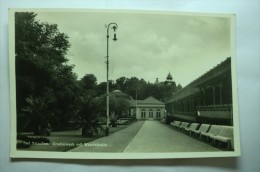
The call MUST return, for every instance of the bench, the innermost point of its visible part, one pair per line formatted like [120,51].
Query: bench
[175,123]
[183,125]
[214,130]
[203,128]
[225,135]
[193,126]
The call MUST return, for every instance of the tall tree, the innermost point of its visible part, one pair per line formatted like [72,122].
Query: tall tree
[89,81]
[132,85]
[101,88]
[121,83]
[42,71]
[89,84]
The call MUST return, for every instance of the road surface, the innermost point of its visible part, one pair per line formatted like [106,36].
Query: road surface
[146,136]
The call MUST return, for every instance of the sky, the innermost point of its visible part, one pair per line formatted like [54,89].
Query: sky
[149,45]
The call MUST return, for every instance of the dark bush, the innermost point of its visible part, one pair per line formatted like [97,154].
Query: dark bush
[169,119]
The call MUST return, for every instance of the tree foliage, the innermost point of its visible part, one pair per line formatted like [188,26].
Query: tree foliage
[42,72]
[119,106]
[140,89]
[89,84]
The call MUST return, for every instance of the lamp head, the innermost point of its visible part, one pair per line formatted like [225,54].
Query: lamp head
[114,39]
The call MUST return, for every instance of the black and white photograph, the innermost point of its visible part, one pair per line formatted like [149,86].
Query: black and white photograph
[106,84]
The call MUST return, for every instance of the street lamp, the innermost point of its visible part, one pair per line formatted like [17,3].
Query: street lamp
[114,27]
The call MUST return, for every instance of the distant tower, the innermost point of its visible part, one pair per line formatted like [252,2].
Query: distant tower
[156,81]
[169,78]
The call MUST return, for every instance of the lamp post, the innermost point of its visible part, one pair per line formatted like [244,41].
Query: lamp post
[114,27]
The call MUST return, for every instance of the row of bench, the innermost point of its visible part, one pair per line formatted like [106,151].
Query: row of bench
[219,133]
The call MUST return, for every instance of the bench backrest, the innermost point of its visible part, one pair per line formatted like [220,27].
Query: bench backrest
[184,124]
[227,131]
[215,129]
[177,123]
[204,128]
[193,126]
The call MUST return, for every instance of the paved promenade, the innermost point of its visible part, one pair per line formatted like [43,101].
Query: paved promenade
[115,142]
[146,136]
[156,137]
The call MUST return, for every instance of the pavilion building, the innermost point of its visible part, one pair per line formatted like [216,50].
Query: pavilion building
[147,109]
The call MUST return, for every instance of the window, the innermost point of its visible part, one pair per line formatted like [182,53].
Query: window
[143,114]
[158,113]
[150,113]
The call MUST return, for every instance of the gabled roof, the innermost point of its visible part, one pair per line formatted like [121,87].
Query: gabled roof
[152,100]
[148,101]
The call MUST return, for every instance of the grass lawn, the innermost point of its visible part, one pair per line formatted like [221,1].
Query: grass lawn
[63,141]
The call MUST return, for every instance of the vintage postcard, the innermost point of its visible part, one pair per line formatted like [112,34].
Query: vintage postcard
[100,84]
